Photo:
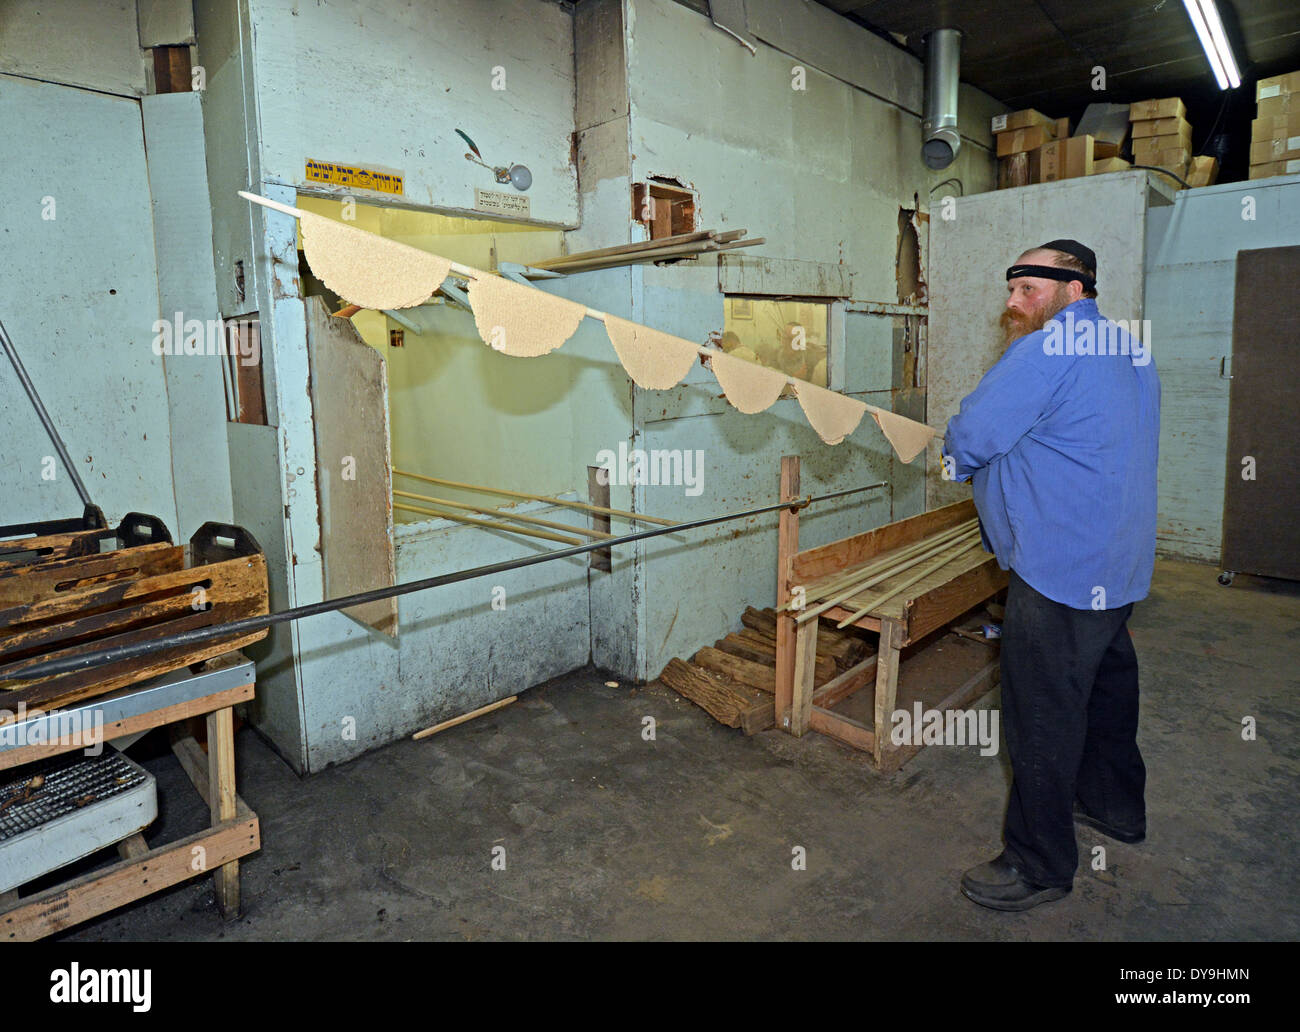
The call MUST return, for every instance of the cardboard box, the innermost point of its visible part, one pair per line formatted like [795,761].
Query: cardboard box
[1159,150]
[1105,123]
[1277,125]
[1275,149]
[1021,120]
[1103,165]
[1181,138]
[1161,127]
[1277,85]
[1285,104]
[1275,168]
[1013,170]
[1066,159]
[1017,140]
[1204,170]
[1171,107]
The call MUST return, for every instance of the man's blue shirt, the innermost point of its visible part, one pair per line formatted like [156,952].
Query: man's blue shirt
[1061,444]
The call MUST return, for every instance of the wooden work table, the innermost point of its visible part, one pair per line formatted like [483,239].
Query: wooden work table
[212,692]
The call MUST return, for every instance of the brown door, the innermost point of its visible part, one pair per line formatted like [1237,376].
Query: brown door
[1261,499]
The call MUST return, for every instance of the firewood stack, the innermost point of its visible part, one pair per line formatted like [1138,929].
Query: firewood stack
[734,679]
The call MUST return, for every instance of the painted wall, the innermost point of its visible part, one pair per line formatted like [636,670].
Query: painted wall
[970,253]
[81,298]
[821,173]
[386,85]
[1190,284]
[287,82]
[89,43]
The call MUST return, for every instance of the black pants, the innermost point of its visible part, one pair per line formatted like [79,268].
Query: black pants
[1070,714]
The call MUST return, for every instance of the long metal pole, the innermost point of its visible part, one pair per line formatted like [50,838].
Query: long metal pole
[50,428]
[68,664]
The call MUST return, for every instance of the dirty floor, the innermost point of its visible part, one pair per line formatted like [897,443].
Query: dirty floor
[693,835]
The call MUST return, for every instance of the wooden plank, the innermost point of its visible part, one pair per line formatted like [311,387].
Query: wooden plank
[842,728]
[349,398]
[787,545]
[119,728]
[984,680]
[947,601]
[891,640]
[817,563]
[20,584]
[221,803]
[756,675]
[846,684]
[194,761]
[805,654]
[464,717]
[715,694]
[760,716]
[132,848]
[748,648]
[100,891]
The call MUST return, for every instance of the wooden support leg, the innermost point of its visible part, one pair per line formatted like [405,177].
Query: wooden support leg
[221,802]
[787,544]
[805,668]
[133,847]
[891,641]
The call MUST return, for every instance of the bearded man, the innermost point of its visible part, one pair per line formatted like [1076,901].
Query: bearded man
[1060,439]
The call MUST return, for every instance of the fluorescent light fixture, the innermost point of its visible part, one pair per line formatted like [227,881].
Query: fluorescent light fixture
[1214,41]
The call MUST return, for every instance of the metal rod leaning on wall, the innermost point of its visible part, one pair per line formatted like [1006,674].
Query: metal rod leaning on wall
[66,664]
[50,428]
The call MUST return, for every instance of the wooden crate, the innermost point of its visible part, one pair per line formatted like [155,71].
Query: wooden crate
[79,603]
[26,544]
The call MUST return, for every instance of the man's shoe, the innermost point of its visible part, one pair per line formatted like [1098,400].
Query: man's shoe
[1000,885]
[1110,831]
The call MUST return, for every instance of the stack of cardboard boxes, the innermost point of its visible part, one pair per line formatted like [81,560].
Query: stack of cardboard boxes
[1162,137]
[1033,148]
[1275,132]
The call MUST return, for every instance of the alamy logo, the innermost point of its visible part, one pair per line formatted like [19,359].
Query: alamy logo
[102,985]
[236,339]
[1063,336]
[946,727]
[659,466]
[81,727]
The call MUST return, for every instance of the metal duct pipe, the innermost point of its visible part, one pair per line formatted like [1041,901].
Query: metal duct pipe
[940,142]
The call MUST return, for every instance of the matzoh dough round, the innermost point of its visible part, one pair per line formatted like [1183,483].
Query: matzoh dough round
[907,436]
[655,360]
[748,386]
[369,270]
[521,321]
[830,413]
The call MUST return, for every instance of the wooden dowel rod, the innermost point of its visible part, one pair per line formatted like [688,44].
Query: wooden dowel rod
[535,498]
[464,717]
[846,592]
[520,517]
[819,589]
[630,248]
[939,563]
[447,514]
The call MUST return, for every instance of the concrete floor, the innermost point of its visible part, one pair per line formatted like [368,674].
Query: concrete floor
[608,836]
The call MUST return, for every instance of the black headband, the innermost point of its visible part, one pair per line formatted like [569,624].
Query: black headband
[1052,272]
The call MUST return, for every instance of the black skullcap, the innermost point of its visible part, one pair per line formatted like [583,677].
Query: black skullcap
[1073,247]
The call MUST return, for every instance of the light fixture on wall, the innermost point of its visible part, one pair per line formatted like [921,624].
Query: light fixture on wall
[517,176]
[1209,29]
